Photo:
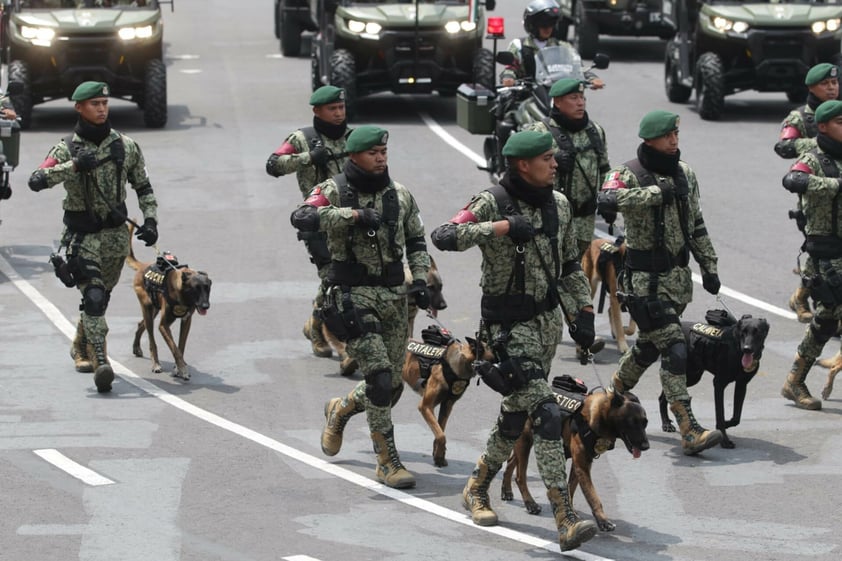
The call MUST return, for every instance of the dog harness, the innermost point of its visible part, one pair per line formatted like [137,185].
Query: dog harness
[570,396]
[431,352]
[155,283]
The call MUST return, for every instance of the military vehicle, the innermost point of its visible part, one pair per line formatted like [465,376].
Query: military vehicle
[367,46]
[292,17]
[53,45]
[724,47]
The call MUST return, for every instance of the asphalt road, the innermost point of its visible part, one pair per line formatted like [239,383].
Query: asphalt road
[228,466]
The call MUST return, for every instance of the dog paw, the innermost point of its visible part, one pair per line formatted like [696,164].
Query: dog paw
[826,391]
[532,507]
[507,495]
[181,374]
[606,525]
[727,443]
[668,427]
[137,352]
[156,368]
[440,462]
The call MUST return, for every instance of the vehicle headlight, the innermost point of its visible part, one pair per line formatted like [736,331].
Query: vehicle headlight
[129,33]
[725,25]
[819,27]
[454,26]
[370,28]
[41,36]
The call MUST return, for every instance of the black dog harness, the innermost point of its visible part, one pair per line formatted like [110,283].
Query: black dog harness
[571,398]
[155,283]
[431,352]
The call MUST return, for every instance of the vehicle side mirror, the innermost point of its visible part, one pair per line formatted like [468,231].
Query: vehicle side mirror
[490,4]
[14,88]
[601,60]
[505,57]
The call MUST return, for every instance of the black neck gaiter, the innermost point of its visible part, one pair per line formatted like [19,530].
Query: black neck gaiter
[92,132]
[813,102]
[333,132]
[658,162]
[568,124]
[829,146]
[364,181]
[519,189]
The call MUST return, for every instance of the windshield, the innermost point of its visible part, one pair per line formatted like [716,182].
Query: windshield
[447,2]
[77,4]
[554,63]
[808,2]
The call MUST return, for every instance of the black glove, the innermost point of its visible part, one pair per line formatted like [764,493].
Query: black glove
[85,160]
[710,282]
[582,330]
[796,182]
[520,230]
[667,194]
[368,218]
[148,232]
[421,294]
[319,156]
[606,205]
[565,160]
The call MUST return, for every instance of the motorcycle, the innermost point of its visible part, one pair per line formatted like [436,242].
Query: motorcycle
[528,100]
[9,143]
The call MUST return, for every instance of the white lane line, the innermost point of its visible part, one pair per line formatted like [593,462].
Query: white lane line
[479,160]
[62,462]
[299,558]
[69,330]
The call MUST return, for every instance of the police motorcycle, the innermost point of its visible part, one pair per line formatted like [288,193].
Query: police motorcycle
[528,101]
[9,143]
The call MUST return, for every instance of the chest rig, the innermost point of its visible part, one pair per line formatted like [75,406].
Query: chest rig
[314,140]
[155,283]
[809,119]
[564,141]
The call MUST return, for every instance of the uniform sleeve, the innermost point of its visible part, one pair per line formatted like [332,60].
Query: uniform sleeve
[818,184]
[416,248]
[630,195]
[470,226]
[603,163]
[575,287]
[138,177]
[57,167]
[325,197]
[700,242]
[292,155]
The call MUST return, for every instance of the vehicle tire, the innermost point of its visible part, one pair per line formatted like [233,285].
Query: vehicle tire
[315,75]
[676,92]
[155,94]
[710,87]
[22,102]
[483,68]
[290,35]
[277,19]
[343,74]
[585,32]
[798,95]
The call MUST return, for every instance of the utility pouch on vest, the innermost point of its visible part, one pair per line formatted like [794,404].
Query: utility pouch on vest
[820,291]
[343,321]
[647,311]
[316,244]
[506,377]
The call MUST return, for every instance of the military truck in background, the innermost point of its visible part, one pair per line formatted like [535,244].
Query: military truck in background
[292,18]
[53,45]
[724,47]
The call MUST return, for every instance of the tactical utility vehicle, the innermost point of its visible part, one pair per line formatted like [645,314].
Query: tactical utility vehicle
[53,45]
[368,46]
[292,17]
[724,47]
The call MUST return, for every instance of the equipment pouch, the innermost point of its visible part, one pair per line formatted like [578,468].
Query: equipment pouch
[647,311]
[820,291]
[344,322]
[496,376]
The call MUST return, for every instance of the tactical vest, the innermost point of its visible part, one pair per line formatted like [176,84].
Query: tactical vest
[828,246]
[811,129]
[565,143]
[314,139]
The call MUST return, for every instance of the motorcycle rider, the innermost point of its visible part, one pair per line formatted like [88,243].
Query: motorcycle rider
[540,19]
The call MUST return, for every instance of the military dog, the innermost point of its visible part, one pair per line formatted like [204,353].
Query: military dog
[347,365]
[439,370]
[834,366]
[731,351]
[176,291]
[602,263]
[591,425]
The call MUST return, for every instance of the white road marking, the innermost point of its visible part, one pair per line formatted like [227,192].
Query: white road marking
[299,558]
[69,330]
[78,471]
[191,71]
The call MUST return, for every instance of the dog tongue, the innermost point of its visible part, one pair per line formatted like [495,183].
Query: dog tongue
[748,359]
[201,311]
[635,453]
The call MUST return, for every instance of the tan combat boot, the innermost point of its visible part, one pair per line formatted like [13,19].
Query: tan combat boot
[800,304]
[694,438]
[390,470]
[337,412]
[475,495]
[572,531]
[313,332]
[103,373]
[79,351]
[796,390]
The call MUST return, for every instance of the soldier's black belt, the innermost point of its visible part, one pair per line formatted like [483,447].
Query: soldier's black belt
[82,222]
[355,274]
[509,308]
[824,247]
[656,260]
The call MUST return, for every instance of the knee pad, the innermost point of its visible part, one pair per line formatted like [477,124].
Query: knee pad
[546,420]
[511,424]
[823,329]
[378,388]
[675,360]
[396,394]
[95,300]
[645,354]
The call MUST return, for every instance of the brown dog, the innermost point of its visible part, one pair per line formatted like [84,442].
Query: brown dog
[601,263]
[834,366]
[599,419]
[439,370]
[176,291]
[347,365]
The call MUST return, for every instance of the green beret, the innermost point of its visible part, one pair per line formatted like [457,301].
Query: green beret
[527,144]
[89,90]
[821,72]
[566,86]
[828,110]
[657,123]
[327,94]
[363,138]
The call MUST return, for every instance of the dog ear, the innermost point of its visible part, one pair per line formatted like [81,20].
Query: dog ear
[472,342]
[764,326]
[746,316]
[617,400]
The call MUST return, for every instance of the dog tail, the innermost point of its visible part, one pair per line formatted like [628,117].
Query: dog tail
[130,258]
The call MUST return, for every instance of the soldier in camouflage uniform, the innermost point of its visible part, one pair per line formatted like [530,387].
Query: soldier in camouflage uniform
[525,232]
[7,112]
[658,195]
[798,135]
[372,223]
[816,178]
[94,163]
[539,20]
[315,154]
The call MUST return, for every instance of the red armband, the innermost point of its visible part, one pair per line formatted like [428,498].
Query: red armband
[316,198]
[48,163]
[801,166]
[613,181]
[789,133]
[463,216]
[286,149]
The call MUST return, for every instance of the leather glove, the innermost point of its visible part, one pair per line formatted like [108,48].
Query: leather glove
[796,182]
[565,160]
[667,194]
[520,229]
[318,156]
[710,282]
[148,232]
[606,205]
[582,330]
[421,294]
[368,218]
[85,160]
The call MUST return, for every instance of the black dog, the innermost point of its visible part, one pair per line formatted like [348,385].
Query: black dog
[731,351]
